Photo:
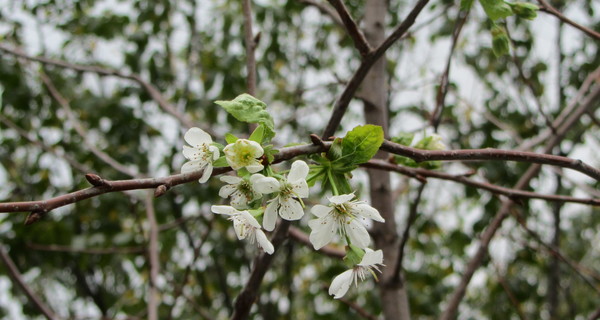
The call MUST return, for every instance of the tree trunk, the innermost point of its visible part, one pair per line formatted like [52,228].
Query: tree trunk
[394,298]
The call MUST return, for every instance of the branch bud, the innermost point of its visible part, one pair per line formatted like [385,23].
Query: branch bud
[33,217]
[95,180]
[160,190]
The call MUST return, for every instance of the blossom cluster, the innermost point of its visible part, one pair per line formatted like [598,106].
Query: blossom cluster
[344,215]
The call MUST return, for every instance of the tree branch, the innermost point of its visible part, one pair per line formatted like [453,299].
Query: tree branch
[548,8]
[17,278]
[261,265]
[151,89]
[153,258]
[325,10]
[303,238]
[412,216]
[251,43]
[358,38]
[341,105]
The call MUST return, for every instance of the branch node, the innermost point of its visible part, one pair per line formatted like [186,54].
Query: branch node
[95,180]
[34,216]
[160,190]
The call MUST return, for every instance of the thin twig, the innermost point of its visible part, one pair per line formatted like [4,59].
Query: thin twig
[410,219]
[326,10]
[343,101]
[151,89]
[262,263]
[250,42]
[358,38]
[81,131]
[153,258]
[511,297]
[95,251]
[17,278]
[547,8]
[440,100]
[490,154]
[514,194]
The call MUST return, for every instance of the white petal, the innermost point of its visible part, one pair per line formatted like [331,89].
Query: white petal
[320,210]
[357,233]
[239,200]
[215,152]
[255,177]
[241,228]
[231,179]
[192,166]
[340,284]
[299,171]
[270,216]
[257,150]
[263,242]
[366,211]
[227,190]
[255,167]
[207,173]
[341,198]
[323,231]
[249,219]
[267,185]
[224,210]
[196,137]
[371,258]
[290,209]
[300,188]
[192,153]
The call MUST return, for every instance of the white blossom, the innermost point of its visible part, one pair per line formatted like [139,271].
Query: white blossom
[340,284]
[245,226]
[287,202]
[342,215]
[201,153]
[243,154]
[240,190]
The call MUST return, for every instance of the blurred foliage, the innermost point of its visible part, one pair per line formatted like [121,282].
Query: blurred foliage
[193,52]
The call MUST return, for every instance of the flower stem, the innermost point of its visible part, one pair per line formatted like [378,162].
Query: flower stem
[332,182]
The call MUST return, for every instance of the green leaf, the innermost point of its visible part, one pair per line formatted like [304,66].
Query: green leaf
[230,138]
[247,108]
[466,4]
[257,134]
[361,144]
[335,151]
[496,9]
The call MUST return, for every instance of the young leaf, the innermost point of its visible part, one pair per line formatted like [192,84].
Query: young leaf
[220,163]
[496,9]
[500,41]
[247,108]
[404,138]
[361,144]
[524,10]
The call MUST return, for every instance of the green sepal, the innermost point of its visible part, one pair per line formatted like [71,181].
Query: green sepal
[270,152]
[353,256]
[220,163]
[218,145]
[248,109]
[258,134]
[230,138]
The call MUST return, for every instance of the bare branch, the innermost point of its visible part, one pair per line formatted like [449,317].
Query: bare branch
[153,258]
[440,100]
[490,154]
[326,10]
[342,102]
[151,89]
[410,219]
[250,42]
[546,7]
[17,278]
[94,251]
[514,194]
[358,38]
[261,265]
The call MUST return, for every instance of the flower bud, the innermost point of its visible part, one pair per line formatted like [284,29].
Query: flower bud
[524,10]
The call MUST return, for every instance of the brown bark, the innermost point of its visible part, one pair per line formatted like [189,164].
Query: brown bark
[394,299]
